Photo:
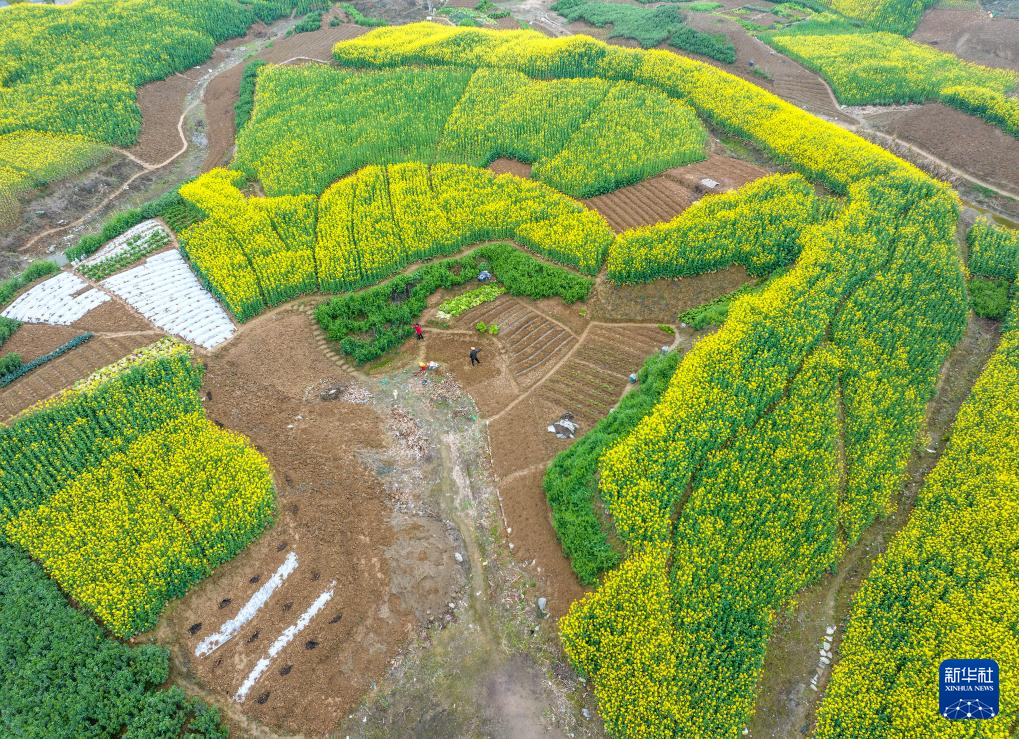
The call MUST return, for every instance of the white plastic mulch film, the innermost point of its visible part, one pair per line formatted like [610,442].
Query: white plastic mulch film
[60,300]
[165,290]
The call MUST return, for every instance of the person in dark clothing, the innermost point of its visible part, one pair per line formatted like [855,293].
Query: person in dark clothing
[474,356]
[418,331]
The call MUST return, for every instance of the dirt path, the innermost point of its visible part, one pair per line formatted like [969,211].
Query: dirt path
[234,57]
[786,701]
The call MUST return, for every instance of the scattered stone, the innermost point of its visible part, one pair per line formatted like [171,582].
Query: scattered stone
[585,713]
[458,557]
[813,687]
[830,630]
[825,661]
[822,651]
[543,604]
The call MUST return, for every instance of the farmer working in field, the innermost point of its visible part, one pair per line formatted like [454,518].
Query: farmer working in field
[418,331]
[474,356]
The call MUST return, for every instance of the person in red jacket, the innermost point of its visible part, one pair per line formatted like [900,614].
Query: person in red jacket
[420,333]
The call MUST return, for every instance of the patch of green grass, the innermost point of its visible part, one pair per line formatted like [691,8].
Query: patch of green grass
[988,297]
[356,16]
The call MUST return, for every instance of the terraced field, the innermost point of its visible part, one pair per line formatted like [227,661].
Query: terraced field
[399,424]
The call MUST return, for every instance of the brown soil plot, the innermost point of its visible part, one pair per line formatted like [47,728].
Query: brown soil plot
[389,571]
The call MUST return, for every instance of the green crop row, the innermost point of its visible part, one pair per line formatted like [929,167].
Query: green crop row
[993,250]
[312,125]
[369,323]
[471,299]
[571,482]
[11,367]
[757,226]
[64,678]
[137,248]
[945,586]
[258,252]
[125,493]
[867,67]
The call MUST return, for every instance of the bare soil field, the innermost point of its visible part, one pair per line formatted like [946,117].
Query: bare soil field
[665,196]
[162,104]
[511,166]
[958,138]
[785,700]
[65,201]
[222,92]
[971,35]
[389,564]
[65,370]
[661,301]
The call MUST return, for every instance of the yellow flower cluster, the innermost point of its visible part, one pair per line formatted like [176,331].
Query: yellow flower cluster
[993,250]
[622,637]
[868,67]
[256,252]
[636,131]
[124,491]
[990,105]
[29,159]
[757,226]
[780,437]
[818,149]
[945,588]
[898,16]
[312,125]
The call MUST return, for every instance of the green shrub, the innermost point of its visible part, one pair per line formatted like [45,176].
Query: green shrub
[8,364]
[713,45]
[993,251]
[7,328]
[310,22]
[369,323]
[246,97]
[988,297]
[647,26]
[356,16]
[10,287]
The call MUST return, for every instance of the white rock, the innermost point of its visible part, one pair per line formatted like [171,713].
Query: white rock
[458,557]
[830,630]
